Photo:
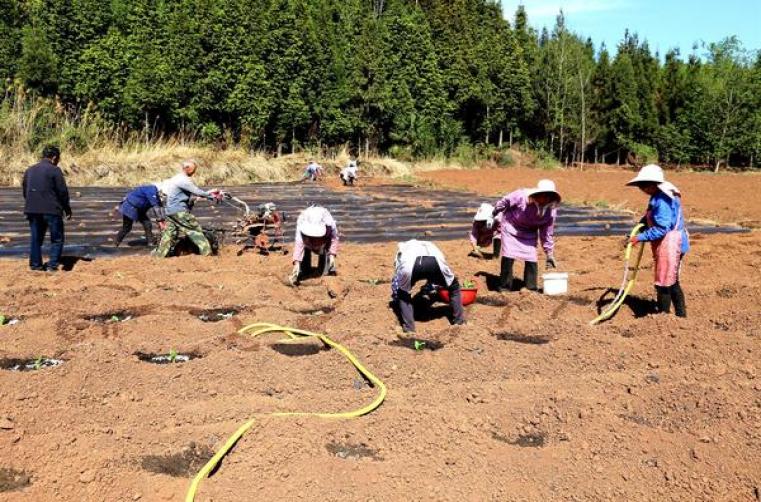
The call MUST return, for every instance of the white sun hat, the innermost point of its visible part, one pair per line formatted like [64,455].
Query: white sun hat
[484,212]
[544,186]
[650,173]
[310,222]
[669,189]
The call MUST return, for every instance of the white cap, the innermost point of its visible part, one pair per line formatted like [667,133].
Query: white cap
[650,173]
[310,222]
[544,186]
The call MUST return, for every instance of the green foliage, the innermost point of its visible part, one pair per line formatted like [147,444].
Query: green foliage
[417,79]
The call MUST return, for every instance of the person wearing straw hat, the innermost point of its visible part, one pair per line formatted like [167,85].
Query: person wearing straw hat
[316,232]
[526,214]
[485,231]
[667,234]
[422,261]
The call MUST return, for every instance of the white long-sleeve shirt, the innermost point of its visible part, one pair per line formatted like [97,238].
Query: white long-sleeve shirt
[178,190]
[406,255]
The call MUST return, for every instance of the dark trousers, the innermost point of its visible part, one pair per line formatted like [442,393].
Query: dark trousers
[127,228]
[39,224]
[427,268]
[530,271]
[323,267]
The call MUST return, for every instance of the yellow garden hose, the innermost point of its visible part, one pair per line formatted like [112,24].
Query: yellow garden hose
[294,336]
[628,282]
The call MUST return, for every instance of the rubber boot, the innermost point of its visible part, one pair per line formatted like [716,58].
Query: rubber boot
[530,270]
[497,248]
[663,296]
[677,295]
[506,274]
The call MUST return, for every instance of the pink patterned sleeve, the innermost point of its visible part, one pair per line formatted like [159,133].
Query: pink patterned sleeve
[298,247]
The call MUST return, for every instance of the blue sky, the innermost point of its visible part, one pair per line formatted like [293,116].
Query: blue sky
[664,23]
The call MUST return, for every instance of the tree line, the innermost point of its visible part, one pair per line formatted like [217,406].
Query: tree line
[408,77]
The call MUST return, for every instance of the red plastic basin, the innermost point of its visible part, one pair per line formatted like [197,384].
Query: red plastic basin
[468,295]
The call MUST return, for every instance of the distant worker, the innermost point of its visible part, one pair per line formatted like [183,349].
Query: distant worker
[422,261]
[316,232]
[139,205]
[180,192]
[46,200]
[312,172]
[527,213]
[486,231]
[349,173]
[666,233]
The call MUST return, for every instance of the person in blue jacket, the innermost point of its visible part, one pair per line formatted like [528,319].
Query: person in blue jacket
[666,231]
[139,205]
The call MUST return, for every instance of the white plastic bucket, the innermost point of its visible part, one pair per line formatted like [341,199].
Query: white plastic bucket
[555,283]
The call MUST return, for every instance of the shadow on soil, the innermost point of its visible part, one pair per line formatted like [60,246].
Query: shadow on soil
[184,464]
[639,306]
[69,262]
[303,348]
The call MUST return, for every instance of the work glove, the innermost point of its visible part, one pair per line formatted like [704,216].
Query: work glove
[67,211]
[294,277]
[332,263]
[551,263]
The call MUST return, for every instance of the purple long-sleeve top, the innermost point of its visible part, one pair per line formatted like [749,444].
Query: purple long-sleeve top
[522,222]
[318,244]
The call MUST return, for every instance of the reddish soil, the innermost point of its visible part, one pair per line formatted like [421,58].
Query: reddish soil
[526,402]
[723,198]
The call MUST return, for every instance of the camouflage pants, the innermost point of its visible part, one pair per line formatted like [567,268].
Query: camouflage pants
[181,225]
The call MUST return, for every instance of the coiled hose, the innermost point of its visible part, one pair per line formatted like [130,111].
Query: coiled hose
[294,336]
[628,282]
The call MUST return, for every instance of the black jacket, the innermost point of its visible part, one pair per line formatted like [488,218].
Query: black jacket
[45,190]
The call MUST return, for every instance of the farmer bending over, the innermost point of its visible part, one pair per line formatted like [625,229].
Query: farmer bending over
[527,213]
[485,231]
[667,234]
[312,172]
[316,232]
[422,261]
[349,173]
[180,191]
[136,206]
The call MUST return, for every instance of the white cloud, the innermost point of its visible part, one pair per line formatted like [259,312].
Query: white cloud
[545,11]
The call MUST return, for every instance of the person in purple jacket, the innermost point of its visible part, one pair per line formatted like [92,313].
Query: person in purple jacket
[526,214]
[316,232]
[137,206]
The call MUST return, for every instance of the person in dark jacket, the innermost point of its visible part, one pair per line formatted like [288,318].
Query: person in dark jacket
[137,206]
[46,201]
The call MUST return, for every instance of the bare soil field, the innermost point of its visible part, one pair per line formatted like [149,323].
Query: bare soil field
[525,402]
[723,197]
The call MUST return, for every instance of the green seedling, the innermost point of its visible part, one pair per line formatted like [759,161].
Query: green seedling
[38,363]
[468,284]
[419,345]
[2,320]
[373,282]
[173,355]
[114,318]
